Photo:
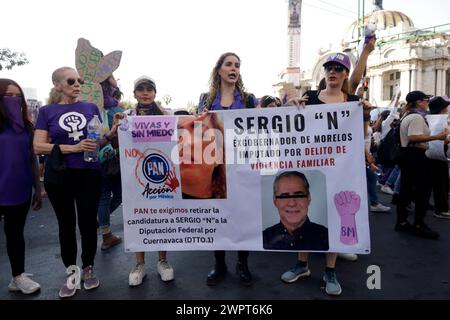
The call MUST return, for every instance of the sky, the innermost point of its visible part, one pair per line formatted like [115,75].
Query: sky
[178,42]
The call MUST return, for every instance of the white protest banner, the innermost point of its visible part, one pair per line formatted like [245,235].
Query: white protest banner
[437,124]
[180,194]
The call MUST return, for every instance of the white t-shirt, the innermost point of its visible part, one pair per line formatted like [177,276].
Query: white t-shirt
[413,125]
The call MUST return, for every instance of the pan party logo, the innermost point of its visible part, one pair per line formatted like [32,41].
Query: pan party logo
[156,173]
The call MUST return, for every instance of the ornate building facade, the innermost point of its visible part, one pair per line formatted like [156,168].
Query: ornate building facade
[404,56]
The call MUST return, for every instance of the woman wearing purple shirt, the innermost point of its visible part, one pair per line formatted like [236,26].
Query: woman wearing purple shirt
[226,92]
[18,174]
[65,124]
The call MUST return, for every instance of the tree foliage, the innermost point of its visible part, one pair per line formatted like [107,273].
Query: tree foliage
[192,107]
[127,104]
[10,58]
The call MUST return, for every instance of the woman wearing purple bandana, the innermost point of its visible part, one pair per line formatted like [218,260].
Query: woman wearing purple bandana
[227,92]
[64,124]
[18,174]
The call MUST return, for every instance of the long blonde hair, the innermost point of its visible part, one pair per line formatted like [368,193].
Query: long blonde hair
[215,81]
[54,96]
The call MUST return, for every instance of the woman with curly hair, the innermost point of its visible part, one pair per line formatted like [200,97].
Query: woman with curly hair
[226,88]
[227,92]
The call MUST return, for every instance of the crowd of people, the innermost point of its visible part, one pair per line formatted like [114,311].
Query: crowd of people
[60,133]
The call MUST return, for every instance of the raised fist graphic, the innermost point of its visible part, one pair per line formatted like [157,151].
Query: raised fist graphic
[347,204]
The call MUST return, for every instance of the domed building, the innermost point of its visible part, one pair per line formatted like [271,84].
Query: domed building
[404,56]
[385,20]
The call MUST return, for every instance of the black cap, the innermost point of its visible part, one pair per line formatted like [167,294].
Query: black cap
[181,112]
[414,96]
[437,104]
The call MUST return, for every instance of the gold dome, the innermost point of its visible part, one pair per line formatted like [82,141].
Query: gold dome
[385,19]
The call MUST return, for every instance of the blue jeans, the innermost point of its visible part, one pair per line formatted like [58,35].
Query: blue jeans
[393,176]
[110,198]
[394,179]
[372,187]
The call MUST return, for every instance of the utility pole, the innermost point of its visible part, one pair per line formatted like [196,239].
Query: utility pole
[361,14]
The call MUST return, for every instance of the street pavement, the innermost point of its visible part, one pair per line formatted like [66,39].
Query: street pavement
[411,268]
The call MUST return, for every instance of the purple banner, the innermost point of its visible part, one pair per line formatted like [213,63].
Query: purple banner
[153,129]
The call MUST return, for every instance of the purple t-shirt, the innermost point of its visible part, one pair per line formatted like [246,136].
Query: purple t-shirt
[67,124]
[16,178]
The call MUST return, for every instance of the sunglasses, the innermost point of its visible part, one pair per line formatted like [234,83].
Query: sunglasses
[71,81]
[292,196]
[336,68]
[269,99]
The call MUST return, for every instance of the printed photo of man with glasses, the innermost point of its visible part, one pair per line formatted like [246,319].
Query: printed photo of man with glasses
[292,198]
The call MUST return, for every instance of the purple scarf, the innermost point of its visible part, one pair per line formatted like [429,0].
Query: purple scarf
[13,109]
[150,110]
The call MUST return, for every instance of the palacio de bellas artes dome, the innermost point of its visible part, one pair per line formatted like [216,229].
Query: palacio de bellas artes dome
[404,56]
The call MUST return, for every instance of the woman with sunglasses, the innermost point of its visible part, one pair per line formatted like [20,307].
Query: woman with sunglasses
[337,69]
[63,125]
[227,92]
[18,174]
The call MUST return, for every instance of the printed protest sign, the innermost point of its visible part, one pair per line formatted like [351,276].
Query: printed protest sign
[262,179]
[437,123]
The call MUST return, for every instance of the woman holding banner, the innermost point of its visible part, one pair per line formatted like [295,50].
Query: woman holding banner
[145,93]
[61,131]
[226,89]
[337,69]
[226,92]
[18,175]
